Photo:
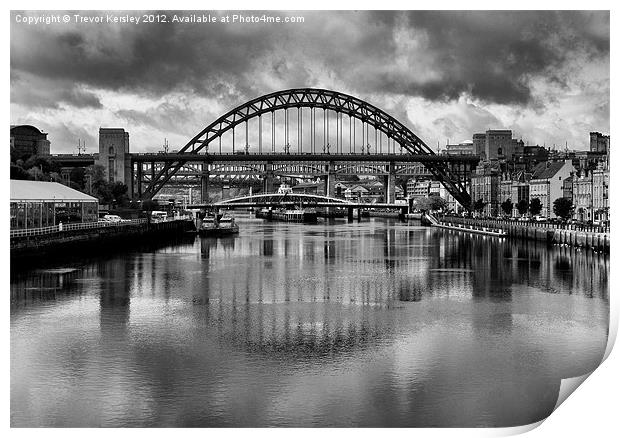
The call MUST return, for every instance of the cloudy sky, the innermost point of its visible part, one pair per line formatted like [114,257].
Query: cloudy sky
[446,75]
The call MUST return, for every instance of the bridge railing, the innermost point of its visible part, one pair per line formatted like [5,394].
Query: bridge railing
[532,223]
[72,227]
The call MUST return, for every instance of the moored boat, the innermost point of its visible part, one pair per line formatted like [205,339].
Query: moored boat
[213,226]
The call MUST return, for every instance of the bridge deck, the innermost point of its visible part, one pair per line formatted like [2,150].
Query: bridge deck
[296,204]
[405,157]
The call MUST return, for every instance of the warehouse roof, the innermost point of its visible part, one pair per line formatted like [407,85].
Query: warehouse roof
[46,191]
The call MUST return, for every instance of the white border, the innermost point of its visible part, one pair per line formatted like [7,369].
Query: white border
[590,411]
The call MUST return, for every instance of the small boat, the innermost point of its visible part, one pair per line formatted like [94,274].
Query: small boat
[308,215]
[214,226]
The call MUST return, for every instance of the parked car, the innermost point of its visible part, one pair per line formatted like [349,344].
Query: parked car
[576,222]
[112,218]
[539,218]
[159,216]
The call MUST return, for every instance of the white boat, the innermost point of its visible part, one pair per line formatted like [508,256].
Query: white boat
[213,226]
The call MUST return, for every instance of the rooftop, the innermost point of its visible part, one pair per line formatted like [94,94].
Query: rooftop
[547,169]
[46,191]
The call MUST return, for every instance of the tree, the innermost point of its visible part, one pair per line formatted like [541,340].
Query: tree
[563,207]
[535,206]
[507,207]
[77,177]
[522,206]
[422,204]
[44,164]
[436,202]
[36,174]
[149,205]
[17,172]
[479,205]
[100,187]
[119,193]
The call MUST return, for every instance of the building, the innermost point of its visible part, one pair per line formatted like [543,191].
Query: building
[26,140]
[514,187]
[479,142]
[497,144]
[520,192]
[36,204]
[567,188]
[600,192]
[547,183]
[418,188]
[464,148]
[310,188]
[599,142]
[582,196]
[452,204]
[485,187]
[505,193]
[114,156]
[355,193]
[527,157]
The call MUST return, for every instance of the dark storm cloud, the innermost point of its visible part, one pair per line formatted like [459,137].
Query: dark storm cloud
[37,92]
[490,55]
[493,55]
[519,59]
[148,58]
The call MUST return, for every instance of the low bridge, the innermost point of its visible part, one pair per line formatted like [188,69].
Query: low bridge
[295,200]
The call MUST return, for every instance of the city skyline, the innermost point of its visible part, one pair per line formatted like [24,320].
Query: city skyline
[446,75]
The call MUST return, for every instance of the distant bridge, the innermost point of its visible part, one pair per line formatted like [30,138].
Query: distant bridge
[293,200]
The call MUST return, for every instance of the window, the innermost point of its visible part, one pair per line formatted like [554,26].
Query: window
[111,150]
[111,169]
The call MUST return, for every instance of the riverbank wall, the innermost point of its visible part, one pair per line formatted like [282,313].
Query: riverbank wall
[552,236]
[90,240]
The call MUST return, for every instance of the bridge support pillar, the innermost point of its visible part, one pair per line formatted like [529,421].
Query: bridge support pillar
[389,185]
[403,213]
[138,180]
[268,178]
[330,181]
[225,189]
[353,213]
[204,184]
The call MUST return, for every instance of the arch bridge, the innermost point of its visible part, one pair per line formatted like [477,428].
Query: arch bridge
[385,143]
[292,200]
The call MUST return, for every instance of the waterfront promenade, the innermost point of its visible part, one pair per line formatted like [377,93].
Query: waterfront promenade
[89,237]
[591,237]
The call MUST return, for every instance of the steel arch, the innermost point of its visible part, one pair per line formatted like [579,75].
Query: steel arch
[315,98]
[277,198]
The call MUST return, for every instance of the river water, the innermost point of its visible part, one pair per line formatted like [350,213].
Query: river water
[376,323]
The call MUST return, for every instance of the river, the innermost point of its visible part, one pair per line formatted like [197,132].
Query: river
[372,323]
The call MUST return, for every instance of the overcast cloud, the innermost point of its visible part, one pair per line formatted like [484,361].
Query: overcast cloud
[446,75]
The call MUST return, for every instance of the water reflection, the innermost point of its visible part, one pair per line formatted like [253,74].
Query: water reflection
[348,324]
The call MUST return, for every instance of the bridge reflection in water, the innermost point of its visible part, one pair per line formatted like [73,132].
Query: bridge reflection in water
[371,280]
[369,324]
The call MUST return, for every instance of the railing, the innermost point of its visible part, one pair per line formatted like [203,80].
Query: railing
[538,224]
[73,226]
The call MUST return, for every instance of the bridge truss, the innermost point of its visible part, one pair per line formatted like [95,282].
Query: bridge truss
[398,140]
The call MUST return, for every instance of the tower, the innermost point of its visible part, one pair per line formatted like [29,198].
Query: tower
[114,156]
